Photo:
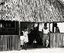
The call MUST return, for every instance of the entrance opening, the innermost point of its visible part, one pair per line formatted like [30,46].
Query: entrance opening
[35,33]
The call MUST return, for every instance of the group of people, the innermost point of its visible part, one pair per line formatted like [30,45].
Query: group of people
[40,38]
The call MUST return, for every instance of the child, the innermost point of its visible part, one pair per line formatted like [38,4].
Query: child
[22,39]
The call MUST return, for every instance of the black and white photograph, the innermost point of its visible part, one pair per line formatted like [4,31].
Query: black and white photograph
[29,26]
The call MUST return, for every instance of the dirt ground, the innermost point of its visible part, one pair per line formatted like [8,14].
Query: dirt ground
[42,50]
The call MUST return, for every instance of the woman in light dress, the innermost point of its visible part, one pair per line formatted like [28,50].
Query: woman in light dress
[25,41]
[25,34]
[24,38]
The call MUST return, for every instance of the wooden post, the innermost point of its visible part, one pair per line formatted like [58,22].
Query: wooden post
[19,37]
[49,35]
[49,27]
[19,28]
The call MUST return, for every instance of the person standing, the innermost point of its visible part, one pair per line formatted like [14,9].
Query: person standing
[25,34]
[55,28]
[22,40]
[45,35]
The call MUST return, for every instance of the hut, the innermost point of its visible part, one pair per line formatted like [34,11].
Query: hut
[13,12]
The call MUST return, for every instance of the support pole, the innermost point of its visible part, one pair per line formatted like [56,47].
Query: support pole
[19,37]
[49,27]
[49,35]
[19,28]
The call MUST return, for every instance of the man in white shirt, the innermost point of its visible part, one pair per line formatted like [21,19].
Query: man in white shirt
[45,35]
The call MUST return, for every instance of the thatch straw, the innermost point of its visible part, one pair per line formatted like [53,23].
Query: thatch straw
[31,10]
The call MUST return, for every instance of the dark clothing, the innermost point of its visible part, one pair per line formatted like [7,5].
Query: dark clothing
[35,35]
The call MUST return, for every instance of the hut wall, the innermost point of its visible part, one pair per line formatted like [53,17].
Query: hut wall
[9,42]
[56,40]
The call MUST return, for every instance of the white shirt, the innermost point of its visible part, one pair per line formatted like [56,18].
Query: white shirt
[21,37]
[45,31]
[22,40]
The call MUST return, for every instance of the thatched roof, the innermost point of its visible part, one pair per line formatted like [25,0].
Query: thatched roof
[31,10]
[61,1]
